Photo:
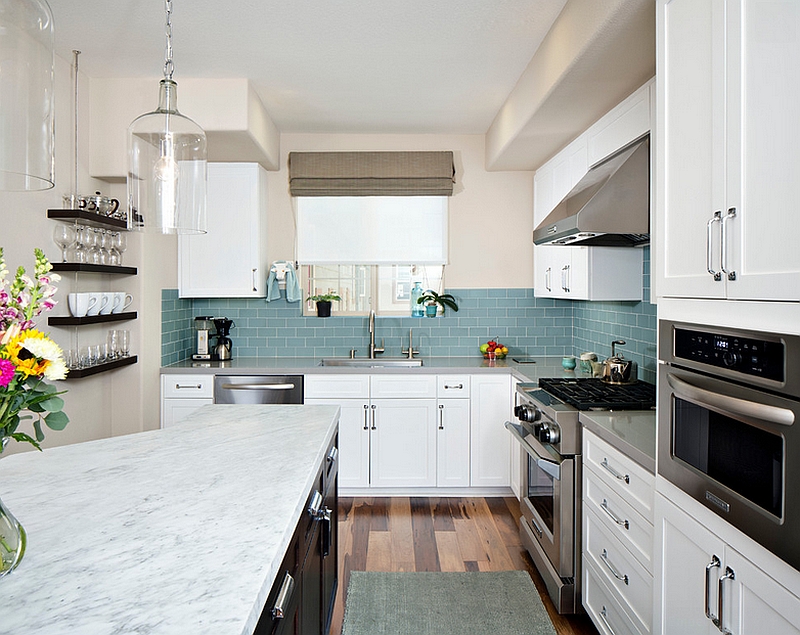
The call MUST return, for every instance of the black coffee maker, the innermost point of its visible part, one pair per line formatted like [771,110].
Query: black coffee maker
[223,347]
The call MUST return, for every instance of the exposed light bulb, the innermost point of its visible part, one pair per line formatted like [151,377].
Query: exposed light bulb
[166,169]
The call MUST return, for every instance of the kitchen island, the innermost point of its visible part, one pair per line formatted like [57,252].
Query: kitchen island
[173,531]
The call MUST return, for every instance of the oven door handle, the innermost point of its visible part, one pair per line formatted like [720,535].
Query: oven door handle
[725,404]
[549,467]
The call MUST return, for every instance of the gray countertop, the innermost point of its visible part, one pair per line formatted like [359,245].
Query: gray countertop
[632,432]
[173,531]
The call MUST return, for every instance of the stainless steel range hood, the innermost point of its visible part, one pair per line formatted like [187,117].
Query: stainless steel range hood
[609,207]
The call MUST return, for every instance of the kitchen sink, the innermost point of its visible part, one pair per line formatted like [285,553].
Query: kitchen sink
[401,362]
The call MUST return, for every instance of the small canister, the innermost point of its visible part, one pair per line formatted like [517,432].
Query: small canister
[586,361]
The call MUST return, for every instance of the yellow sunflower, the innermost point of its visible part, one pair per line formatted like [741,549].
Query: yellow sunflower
[32,352]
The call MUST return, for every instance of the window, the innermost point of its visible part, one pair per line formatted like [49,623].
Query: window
[384,288]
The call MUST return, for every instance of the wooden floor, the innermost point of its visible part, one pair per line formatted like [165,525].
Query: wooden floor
[436,534]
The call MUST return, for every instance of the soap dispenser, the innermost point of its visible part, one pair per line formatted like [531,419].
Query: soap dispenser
[417,310]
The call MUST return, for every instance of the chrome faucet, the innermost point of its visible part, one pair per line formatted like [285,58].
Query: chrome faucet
[373,350]
[410,351]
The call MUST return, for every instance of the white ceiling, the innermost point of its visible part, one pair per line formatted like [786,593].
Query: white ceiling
[326,66]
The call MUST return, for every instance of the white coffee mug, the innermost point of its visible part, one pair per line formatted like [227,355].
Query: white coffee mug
[100,302]
[81,303]
[107,303]
[122,301]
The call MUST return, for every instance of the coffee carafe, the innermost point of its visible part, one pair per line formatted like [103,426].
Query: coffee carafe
[224,345]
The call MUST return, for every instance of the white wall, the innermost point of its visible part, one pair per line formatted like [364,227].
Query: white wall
[491,213]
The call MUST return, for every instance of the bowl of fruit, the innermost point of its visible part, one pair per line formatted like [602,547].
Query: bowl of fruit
[493,350]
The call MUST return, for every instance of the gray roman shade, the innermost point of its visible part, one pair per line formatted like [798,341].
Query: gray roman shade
[371,173]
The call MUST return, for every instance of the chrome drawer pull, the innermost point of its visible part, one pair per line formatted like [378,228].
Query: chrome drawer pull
[188,386]
[284,597]
[604,617]
[614,473]
[714,564]
[729,575]
[607,562]
[333,455]
[613,516]
[455,387]
[315,505]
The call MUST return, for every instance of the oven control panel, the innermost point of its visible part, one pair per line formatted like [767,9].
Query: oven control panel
[750,356]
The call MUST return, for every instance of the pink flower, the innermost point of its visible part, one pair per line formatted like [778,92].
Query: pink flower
[7,369]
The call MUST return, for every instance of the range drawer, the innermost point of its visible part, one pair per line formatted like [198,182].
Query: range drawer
[188,386]
[450,386]
[623,475]
[628,580]
[619,518]
[603,607]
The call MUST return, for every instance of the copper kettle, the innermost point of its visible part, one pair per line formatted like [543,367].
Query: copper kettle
[617,369]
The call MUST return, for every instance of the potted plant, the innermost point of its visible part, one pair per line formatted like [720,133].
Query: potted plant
[323,301]
[433,301]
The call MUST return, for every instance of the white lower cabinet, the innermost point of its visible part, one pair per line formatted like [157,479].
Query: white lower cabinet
[617,540]
[695,565]
[490,451]
[181,395]
[452,431]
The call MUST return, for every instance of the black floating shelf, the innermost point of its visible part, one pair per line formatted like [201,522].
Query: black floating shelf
[90,319]
[88,268]
[88,218]
[79,373]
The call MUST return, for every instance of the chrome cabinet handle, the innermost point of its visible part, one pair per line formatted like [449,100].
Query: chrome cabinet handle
[729,575]
[327,536]
[373,416]
[188,386]
[723,250]
[565,278]
[614,572]
[547,276]
[714,564]
[333,455]
[613,516]
[604,617]
[716,218]
[441,416]
[284,597]
[366,416]
[255,271]
[614,473]
[315,505]
[454,387]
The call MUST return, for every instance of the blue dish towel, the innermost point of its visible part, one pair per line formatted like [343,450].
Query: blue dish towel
[293,293]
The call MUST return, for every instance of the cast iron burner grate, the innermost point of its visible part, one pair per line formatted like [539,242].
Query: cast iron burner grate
[587,393]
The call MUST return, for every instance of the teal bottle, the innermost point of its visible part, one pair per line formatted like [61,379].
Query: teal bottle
[417,310]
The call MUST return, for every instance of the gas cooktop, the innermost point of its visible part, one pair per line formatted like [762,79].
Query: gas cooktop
[588,393]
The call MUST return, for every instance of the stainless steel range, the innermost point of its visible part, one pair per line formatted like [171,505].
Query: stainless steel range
[548,430]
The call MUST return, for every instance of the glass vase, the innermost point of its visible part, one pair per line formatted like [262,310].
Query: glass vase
[12,541]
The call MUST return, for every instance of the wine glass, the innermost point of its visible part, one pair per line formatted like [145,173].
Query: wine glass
[120,243]
[64,236]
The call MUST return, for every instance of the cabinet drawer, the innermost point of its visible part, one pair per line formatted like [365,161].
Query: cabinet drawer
[336,387]
[452,386]
[626,477]
[622,573]
[188,386]
[621,520]
[601,605]
[403,386]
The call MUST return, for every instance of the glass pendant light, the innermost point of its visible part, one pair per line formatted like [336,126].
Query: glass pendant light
[26,96]
[167,163]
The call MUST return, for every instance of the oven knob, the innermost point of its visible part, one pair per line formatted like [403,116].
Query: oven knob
[549,435]
[527,413]
[731,358]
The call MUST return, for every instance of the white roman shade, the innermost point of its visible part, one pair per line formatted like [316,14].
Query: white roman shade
[372,230]
[371,173]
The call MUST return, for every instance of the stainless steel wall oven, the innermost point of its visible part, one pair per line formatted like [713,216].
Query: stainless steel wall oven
[729,401]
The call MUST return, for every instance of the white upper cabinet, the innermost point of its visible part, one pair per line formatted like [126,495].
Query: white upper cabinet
[588,273]
[728,112]
[230,260]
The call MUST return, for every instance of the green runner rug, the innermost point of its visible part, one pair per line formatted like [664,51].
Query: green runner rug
[469,603]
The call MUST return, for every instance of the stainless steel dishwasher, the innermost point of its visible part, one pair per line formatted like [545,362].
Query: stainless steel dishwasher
[256,389]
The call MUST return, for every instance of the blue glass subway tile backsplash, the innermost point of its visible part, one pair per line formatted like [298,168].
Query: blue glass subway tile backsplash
[527,325]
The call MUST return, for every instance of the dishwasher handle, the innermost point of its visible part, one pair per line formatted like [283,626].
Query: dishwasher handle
[258,386]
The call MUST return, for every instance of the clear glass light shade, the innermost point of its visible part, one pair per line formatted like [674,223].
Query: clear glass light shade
[27,134]
[167,161]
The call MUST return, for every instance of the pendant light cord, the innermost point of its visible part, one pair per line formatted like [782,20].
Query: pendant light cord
[168,65]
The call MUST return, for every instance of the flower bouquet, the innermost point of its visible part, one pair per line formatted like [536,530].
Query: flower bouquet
[28,357]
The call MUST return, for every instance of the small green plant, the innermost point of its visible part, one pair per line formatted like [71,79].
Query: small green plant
[324,297]
[444,300]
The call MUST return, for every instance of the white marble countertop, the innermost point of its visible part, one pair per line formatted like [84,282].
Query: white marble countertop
[632,432]
[168,532]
